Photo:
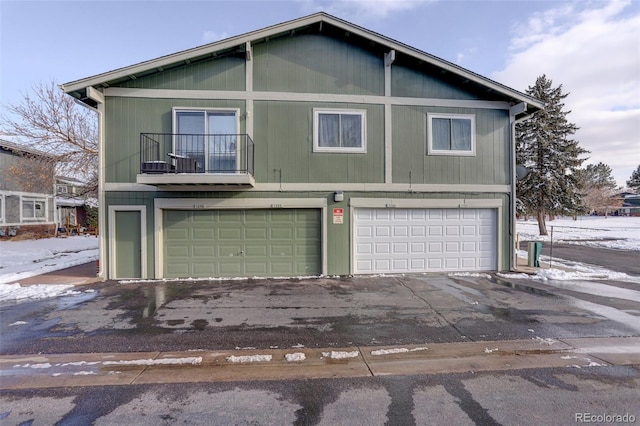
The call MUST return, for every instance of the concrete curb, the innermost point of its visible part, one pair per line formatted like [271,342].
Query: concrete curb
[121,369]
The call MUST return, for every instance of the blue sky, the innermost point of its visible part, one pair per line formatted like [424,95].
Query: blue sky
[590,47]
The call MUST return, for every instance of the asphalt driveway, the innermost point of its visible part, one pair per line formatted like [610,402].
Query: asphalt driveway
[312,313]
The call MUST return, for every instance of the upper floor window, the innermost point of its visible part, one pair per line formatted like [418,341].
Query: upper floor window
[33,209]
[339,130]
[451,134]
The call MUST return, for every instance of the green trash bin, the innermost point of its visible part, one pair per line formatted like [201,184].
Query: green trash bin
[533,251]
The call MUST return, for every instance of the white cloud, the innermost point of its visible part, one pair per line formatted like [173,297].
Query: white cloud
[211,36]
[363,9]
[594,52]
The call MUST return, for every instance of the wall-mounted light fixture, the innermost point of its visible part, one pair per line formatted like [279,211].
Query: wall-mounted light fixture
[338,196]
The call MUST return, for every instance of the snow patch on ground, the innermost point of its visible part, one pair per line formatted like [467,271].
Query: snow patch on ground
[469,274]
[249,358]
[28,258]
[340,354]
[615,232]
[298,356]
[547,341]
[193,360]
[378,352]
[38,291]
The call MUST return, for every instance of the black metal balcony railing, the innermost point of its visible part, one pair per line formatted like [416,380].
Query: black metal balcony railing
[193,153]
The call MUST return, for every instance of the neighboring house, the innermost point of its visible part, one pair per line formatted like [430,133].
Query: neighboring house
[630,204]
[71,203]
[26,191]
[310,147]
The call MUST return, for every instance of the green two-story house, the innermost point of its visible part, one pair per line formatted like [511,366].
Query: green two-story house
[306,148]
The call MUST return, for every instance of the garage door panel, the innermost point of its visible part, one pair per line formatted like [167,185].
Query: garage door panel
[435,231]
[256,250]
[230,233]
[255,233]
[256,268]
[279,250]
[424,240]
[228,243]
[364,231]
[178,251]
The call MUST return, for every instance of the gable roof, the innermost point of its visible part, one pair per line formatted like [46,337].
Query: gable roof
[23,150]
[321,22]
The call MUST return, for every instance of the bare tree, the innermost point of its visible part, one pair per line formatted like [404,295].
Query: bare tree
[48,120]
[599,188]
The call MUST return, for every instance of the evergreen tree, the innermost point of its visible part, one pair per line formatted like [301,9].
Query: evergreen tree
[634,180]
[545,146]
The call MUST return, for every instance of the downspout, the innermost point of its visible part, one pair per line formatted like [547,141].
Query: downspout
[98,97]
[513,112]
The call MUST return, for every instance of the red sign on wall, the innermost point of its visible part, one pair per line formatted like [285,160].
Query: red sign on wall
[338,216]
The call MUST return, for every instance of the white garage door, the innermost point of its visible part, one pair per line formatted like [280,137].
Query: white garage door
[424,240]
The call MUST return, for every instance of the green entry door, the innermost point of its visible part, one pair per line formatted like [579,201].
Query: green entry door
[128,244]
[241,243]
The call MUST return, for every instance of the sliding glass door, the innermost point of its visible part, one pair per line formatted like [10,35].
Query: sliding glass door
[210,137]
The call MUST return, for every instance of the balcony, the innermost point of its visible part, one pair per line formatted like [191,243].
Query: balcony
[188,161]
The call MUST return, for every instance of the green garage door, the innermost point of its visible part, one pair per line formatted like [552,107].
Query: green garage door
[241,243]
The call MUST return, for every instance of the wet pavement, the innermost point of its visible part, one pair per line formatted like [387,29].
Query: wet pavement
[414,349]
[316,313]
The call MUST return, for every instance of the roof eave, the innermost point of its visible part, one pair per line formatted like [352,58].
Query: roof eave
[77,87]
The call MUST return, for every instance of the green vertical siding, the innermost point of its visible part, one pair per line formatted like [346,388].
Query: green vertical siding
[129,117]
[316,64]
[225,73]
[489,166]
[412,83]
[284,143]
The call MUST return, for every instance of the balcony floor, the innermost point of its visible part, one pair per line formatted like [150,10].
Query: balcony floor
[193,180]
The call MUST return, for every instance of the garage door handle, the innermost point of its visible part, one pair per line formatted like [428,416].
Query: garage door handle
[241,253]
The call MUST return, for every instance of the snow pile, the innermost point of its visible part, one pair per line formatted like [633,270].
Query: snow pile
[249,358]
[28,258]
[580,273]
[192,360]
[340,354]
[298,356]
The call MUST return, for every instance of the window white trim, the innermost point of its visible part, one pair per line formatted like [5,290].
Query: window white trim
[44,208]
[316,130]
[2,206]
[204,110]
[432,151]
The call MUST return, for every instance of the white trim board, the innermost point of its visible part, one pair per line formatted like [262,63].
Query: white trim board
[241,95]
[321,187]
